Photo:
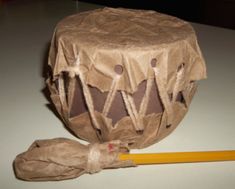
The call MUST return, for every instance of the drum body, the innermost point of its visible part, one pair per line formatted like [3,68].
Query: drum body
[120,74]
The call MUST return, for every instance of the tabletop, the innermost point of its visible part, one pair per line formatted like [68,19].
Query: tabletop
[26,28]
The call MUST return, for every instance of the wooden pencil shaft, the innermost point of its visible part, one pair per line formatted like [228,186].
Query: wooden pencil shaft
[179,157]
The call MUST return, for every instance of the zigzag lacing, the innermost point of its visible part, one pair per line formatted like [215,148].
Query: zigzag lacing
[162,88]
[73,71]
[136,116]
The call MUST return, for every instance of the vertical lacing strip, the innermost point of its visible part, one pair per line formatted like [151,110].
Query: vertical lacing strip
[145,100]
[111,95]
[87,96]
[61,89]
[179,77]
[162,89]
[72,82]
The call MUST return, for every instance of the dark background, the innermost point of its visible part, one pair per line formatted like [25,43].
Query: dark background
[212,12]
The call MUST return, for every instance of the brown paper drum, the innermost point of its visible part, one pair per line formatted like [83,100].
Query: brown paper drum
[123,74]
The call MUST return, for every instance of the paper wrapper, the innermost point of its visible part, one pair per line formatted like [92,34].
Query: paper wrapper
[160,62]
[118,76]
[60,158]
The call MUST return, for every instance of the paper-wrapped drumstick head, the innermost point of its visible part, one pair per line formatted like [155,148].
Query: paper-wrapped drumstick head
[120,74]
[60,158]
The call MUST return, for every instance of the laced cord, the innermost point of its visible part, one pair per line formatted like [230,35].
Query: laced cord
[75,71]
[130,106]
[111,95]
[179,77]
[145,100]
[163,95]
[61,89]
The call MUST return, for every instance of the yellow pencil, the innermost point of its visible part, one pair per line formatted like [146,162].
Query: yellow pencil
[179,157]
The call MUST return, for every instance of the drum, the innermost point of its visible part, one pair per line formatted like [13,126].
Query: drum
[123,74]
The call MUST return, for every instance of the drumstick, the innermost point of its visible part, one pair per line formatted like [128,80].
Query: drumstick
[179,157]
[47,159]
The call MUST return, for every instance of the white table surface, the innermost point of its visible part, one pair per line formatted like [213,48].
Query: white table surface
[26,28]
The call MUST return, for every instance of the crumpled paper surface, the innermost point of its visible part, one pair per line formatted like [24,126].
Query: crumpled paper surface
[87,47]
[60,158]
[104,38]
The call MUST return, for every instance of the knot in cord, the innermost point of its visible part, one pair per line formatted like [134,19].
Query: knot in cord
[73,71]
